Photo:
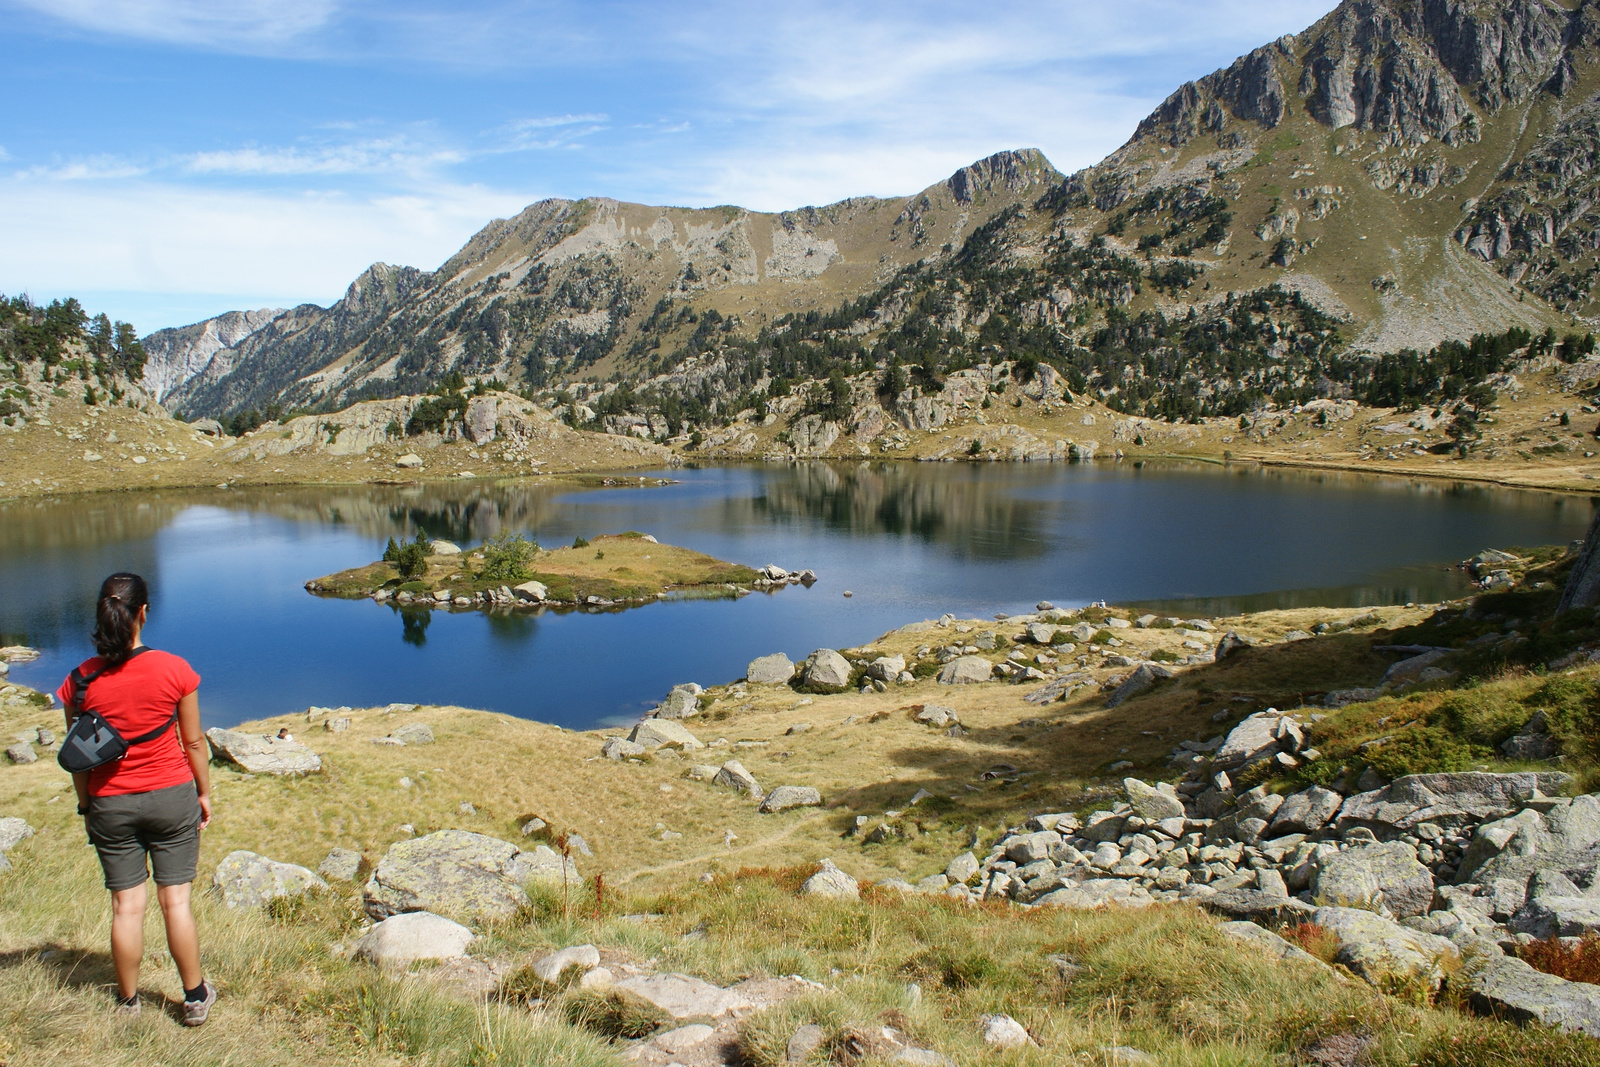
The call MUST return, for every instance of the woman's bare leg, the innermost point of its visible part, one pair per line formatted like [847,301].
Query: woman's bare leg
[127,937]
[183,939]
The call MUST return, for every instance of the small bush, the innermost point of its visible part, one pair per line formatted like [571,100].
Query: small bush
[1314,939]
[508,558]
[412,559]
[580,542]
[1578,962]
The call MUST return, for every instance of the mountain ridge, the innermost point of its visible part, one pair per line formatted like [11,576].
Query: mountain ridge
[1417,170]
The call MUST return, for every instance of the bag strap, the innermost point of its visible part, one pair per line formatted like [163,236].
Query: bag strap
[80,689]
[80,684]
[157,732]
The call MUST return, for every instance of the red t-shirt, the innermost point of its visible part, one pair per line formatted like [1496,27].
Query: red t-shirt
[136,698]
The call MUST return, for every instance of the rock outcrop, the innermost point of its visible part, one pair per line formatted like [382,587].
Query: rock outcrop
[460,873]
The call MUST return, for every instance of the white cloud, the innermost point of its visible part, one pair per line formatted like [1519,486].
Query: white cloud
[226,24]
[164,238]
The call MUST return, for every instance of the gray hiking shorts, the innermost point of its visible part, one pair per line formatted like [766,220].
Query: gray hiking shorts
[137,832]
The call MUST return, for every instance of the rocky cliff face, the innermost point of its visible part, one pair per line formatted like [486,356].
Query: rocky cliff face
[178,354]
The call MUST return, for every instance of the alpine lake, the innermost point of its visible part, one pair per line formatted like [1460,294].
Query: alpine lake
[908,541]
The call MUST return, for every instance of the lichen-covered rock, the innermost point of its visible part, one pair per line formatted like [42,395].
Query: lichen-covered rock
[621,748]
[413,733]
[1143,677]
[733,774]
[1305,812]
[1387,874]
[785,797]
[775,669]
[966,670]
[12,831]
[830,881]
[1509,988]
[261,754]
[1447,800]
[664,733]
[1152,803]
[826,669]
[1381,951]
[341,865]
[455,872]
[248,880]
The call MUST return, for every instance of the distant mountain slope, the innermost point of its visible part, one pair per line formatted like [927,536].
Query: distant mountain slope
[563,288]
[176,355]
[1402,173]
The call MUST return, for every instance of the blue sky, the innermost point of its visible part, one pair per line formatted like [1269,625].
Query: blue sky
[166,160]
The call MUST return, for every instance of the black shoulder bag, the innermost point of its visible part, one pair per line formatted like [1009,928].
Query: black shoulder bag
[92,741]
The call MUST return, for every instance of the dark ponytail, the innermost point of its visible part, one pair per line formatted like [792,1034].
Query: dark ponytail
[117,616]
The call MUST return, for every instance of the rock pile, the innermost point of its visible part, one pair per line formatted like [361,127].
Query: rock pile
[1404,874]
[774,575]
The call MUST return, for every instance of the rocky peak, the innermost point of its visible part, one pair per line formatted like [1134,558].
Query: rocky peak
[1408,69]
[377,287]
[1011,171]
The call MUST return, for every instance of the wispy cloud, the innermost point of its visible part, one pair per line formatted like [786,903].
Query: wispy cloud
[359,157]
[550,121]
[97,168]
[227,24]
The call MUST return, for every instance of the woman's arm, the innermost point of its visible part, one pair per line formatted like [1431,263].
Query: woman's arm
[195,748]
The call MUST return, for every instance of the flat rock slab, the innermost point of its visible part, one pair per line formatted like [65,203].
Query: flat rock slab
[1267,941]
[682,996]
[341,864]
[417,935]
[461,873]
[785,797]
[664,733]
[1509,988]
[13,830]
[1379,950]
[1388,873]
[248,880]
[1099,893]
[262,754]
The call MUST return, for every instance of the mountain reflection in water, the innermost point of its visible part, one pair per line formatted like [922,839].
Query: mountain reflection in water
[911,541]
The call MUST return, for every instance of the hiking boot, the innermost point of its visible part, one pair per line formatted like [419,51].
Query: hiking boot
[195,1012]
[129,1008]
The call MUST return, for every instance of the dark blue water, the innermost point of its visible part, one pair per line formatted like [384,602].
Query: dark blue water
[911,541]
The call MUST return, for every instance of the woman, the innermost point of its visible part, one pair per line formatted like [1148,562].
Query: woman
[148,808]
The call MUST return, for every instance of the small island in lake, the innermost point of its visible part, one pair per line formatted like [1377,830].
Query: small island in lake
[512,571]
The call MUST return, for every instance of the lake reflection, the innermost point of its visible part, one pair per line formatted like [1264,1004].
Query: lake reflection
[910,540]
